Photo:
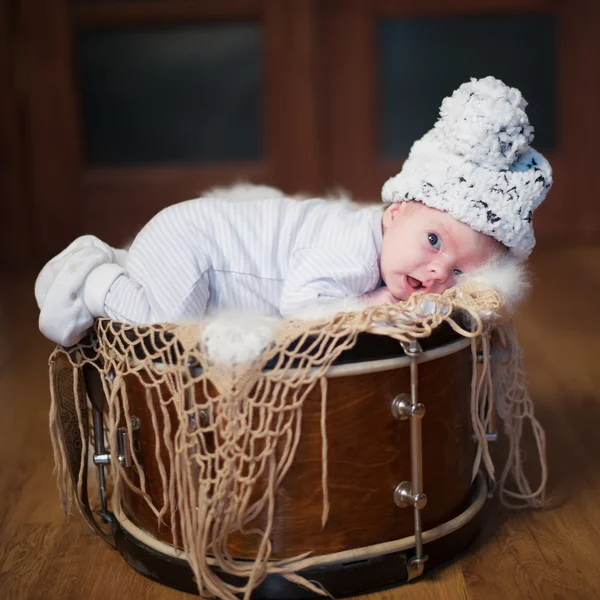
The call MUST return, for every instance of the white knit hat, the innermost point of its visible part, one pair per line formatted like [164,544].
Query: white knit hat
[476,164]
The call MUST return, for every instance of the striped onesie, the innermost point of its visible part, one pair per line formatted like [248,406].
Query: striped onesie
[272,257]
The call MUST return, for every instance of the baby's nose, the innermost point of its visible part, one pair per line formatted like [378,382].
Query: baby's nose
[437,283]
[439,272]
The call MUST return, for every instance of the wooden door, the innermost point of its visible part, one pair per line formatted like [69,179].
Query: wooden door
[135,105]
[15,211]
[335,92]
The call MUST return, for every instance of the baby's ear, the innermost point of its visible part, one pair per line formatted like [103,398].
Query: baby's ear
[393,210]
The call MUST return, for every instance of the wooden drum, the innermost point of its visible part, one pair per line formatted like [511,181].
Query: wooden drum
[370,540]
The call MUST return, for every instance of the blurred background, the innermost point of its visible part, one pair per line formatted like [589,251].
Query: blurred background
[113,110]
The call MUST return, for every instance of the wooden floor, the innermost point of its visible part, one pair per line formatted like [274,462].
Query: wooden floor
[554,554]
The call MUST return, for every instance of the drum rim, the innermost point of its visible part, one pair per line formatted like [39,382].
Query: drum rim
[399,362]
[368,366]
[480,496]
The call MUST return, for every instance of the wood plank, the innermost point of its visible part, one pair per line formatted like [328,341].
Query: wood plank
[118,202]
[15,221]
[453,7]
[350,96]
[23,554]
[86,567]
[54,153]
[447,583]
[112,13]
[292,109]
[578,89]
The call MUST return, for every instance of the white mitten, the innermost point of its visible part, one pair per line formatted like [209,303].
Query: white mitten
[71,288]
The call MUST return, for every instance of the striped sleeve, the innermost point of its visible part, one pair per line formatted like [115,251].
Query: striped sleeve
[319,275]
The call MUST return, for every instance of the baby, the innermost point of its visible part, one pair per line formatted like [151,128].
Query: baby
[465,195]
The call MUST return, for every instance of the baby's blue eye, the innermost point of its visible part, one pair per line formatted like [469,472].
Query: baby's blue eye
[434,240]
[456,272]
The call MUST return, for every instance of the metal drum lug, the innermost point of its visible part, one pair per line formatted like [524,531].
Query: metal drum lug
[403,496]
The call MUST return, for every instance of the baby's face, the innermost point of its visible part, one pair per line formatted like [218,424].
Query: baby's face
[425,249]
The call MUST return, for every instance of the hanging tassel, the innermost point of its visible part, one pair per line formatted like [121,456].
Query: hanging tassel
[515,407]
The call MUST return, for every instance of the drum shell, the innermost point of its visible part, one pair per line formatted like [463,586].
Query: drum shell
[368,456]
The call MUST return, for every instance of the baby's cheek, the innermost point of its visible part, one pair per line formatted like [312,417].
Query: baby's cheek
[397,290]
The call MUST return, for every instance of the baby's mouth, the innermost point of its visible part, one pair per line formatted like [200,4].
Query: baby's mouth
[414,283]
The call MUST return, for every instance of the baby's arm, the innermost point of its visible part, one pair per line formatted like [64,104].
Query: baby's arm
[323,275]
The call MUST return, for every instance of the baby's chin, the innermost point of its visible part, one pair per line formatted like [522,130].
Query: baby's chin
[402,296]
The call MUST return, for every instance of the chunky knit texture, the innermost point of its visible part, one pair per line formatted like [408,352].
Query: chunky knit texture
[476,164]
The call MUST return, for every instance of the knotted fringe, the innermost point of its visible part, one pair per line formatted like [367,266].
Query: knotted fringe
[219,474]
[66,492]
[515,407]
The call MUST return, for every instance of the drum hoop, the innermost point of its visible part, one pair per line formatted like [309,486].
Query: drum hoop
[387,364]
[375,550]
[370,366]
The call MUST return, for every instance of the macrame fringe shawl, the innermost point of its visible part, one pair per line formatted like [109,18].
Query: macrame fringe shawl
[211,491]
